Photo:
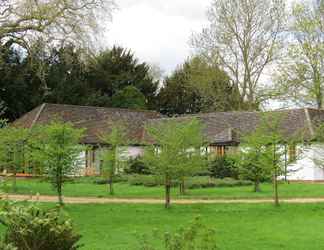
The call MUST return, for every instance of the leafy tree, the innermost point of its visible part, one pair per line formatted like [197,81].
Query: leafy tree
[56,146]
[243,38]
[301,74]
[19,89]
[13,150]
[194,87]
[176,151]
[112,157]
[262,151]
[29,227]
[66,76]
[129,97]
[115,69]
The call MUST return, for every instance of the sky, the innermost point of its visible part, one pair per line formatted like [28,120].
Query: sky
[158,31]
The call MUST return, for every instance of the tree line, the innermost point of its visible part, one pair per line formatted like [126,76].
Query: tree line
[244,43]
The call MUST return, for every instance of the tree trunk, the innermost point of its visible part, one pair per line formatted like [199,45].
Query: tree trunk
[182,186]
[111,185]
[275,180]
[59,193]
[257,185]
[275,186]
[167,192]
[14,181]
[59,181]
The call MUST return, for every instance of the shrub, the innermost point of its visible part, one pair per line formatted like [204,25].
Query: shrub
[208,182]
[222,167]
[117,179]
[137,166]
[195,237]
[145,180]
[191,182]
[31,228]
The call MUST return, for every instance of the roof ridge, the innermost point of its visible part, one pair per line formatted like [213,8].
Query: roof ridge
[99,107]
[309,122]
[38,114]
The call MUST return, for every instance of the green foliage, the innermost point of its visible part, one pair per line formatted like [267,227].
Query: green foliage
[223,166]
[194,87]
[196,236]
[115,69]
[31,228]
[56,146]
[14,150]
[191,182]
[137,166]
[261,153]
[112,158]
[129,97]
[178,151]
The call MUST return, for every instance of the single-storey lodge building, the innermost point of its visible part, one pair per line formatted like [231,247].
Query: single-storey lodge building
[221,129]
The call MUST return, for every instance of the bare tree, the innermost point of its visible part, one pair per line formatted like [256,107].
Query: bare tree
[301,71]
[23,21]
[243,37]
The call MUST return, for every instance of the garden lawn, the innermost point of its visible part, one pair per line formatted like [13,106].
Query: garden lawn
[124,190]
[245,226]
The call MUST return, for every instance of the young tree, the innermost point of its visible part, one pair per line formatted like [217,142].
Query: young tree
[252,161]
[57,147]
[111,157]
[301,74]
[176,152]
[243,38]
[13,150]
[263,152]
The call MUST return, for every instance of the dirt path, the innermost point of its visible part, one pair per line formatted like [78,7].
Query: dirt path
[91,200]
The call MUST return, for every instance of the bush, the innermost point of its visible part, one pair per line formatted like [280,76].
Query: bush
[117,179]
[208,182]
[31,228]
[137,166]
[190,183]
[223,167]
[196,236]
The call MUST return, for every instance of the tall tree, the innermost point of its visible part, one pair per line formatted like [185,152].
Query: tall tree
[115,69]
[243,38]
[301,71]
[196,86]
[66,76]
[23,21]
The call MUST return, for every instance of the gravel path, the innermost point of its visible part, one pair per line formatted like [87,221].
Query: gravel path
[93,200]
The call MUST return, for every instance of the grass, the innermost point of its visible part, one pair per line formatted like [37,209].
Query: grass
[245,226]
[89,189]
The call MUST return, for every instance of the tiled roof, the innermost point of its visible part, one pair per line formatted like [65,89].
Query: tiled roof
[219,127]
[96,120]
[228,127]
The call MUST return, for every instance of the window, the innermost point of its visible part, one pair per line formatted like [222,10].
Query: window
[218,150]
[292,153]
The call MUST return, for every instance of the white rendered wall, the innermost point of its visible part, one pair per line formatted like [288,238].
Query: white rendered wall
[305,168]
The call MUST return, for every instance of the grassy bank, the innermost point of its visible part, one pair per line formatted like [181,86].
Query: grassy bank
[246,226]
[33,186]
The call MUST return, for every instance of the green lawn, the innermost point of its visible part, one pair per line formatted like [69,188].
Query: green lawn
[28,186]
[245,226]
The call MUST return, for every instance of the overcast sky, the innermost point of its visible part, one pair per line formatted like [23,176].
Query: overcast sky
[158,31]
